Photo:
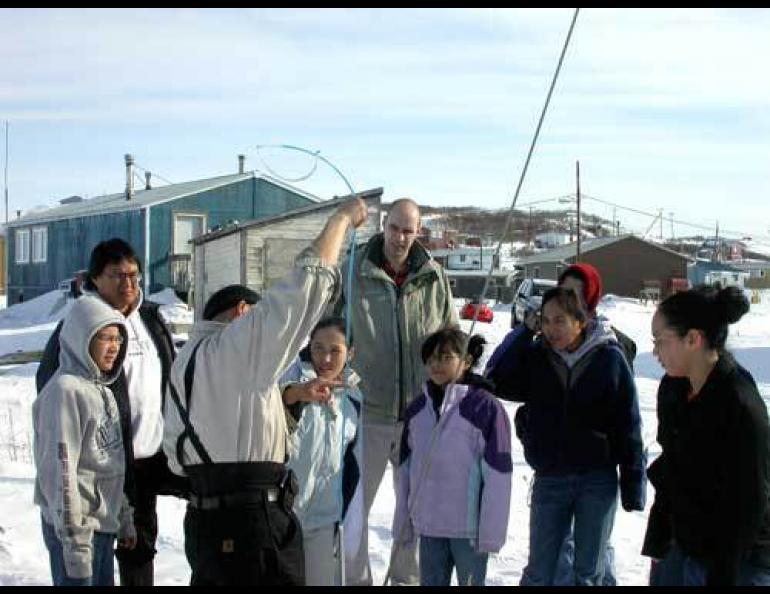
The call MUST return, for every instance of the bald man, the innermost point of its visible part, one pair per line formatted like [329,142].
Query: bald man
[400,296]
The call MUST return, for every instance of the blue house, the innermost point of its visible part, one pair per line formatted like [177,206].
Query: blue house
[707,272]
[47,247]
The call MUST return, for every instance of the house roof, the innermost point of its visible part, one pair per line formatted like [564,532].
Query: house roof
[711,266]
[333,203]
[143,198]
[566,252]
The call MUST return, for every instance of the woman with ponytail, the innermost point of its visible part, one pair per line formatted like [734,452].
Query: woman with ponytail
[710,522]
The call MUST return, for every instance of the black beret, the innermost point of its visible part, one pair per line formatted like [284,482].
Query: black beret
[226,298]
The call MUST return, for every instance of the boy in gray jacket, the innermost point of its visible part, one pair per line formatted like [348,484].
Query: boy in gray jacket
[79,451]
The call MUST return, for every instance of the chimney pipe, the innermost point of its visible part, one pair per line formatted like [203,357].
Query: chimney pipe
[241,162]
[147,184]
[129,177]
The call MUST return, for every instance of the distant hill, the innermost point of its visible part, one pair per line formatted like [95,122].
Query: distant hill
[484,223]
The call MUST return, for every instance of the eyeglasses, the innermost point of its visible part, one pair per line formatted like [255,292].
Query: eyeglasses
[132,277]
[107,339]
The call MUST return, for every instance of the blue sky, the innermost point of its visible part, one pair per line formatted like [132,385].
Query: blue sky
[664,108]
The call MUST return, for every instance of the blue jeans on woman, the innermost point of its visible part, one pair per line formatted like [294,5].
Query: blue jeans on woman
[679,569]
[565,572]
[588,500]
[102,562]
[438,556]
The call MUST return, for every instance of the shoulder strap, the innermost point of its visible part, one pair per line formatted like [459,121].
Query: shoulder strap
[189,430]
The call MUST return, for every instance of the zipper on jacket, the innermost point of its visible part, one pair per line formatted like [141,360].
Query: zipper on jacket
[567,390]
[401,399]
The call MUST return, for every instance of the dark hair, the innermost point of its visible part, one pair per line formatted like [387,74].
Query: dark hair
[568,300]
[331,322]
[453,340]
[111,251]
[708,309]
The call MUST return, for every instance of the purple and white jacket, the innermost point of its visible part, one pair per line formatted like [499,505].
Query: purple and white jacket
[466,490]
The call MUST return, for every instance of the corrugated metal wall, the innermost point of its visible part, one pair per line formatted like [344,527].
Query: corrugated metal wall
[70,243]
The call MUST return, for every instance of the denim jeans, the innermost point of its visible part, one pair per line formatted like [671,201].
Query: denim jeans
[678,569]
[565,570]
[439,555]
[102,562]
[589,500]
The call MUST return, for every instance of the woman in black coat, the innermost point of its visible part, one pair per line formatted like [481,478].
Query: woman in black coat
[710,522]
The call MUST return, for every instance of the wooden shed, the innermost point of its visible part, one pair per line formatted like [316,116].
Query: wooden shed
[259,253]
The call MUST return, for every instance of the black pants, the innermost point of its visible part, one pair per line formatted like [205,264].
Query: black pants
[249,541]
[151,478]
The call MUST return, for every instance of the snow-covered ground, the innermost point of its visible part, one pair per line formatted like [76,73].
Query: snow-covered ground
[23,558]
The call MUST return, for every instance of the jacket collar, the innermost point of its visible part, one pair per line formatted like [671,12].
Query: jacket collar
[134,308]
[374,257]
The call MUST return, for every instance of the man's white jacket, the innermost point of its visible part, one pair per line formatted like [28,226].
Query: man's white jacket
[235,406]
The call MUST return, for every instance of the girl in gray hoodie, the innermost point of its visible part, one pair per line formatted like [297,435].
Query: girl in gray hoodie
[79,451]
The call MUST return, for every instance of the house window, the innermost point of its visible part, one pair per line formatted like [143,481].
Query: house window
[39,244]
[22,246]
[462,258]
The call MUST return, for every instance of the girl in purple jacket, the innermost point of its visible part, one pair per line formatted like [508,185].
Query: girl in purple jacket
[455,465]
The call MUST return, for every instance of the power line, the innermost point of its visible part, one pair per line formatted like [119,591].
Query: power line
[160,177]
[652,215]
[673,220]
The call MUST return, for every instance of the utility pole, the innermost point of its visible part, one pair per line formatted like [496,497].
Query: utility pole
[577,175]
[614,220]
[529,229]
[672,224]
[716,245]
[6,172]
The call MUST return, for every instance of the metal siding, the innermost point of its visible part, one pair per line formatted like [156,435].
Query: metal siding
[70,243]
[272,200]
